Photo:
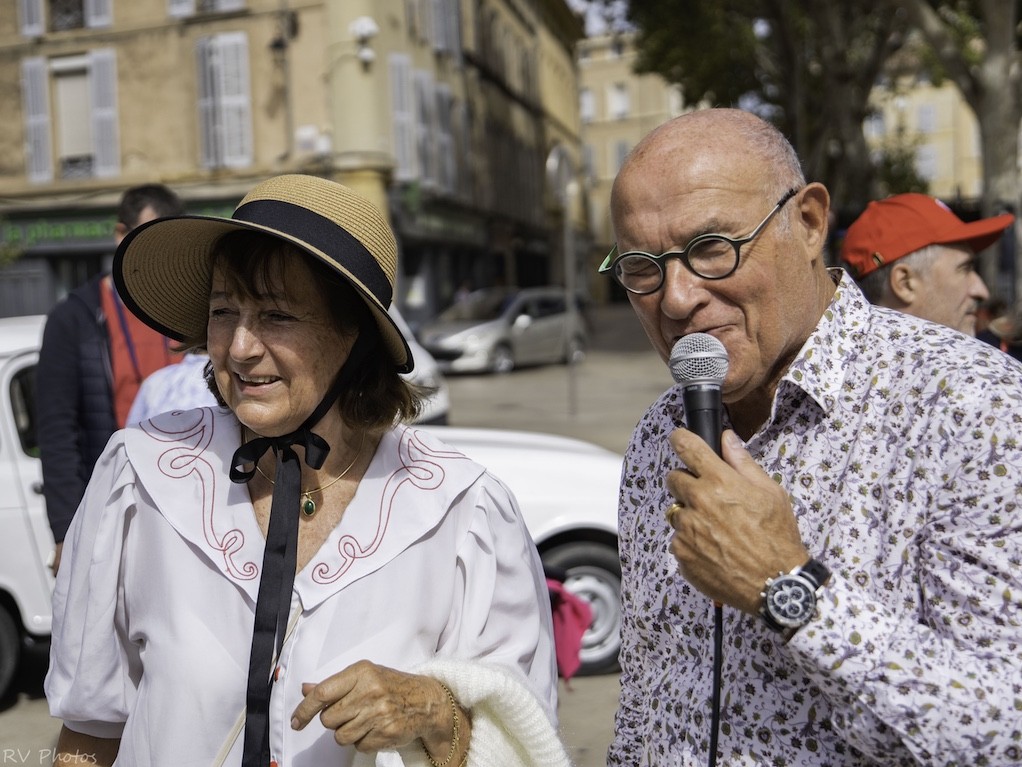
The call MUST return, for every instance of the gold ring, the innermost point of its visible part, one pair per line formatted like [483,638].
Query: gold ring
[674,508]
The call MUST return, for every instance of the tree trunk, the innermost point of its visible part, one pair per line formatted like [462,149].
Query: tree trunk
[993,89]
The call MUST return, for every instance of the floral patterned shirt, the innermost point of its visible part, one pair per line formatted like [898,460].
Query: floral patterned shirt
[900,444]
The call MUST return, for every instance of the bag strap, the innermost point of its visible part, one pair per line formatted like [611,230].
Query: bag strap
[239,724]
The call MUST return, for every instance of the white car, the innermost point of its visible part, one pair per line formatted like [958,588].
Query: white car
[437,407]
[567,490]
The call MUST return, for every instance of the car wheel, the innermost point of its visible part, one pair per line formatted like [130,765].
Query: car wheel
[574,351]
[503,359]
[10,649]
[593,572]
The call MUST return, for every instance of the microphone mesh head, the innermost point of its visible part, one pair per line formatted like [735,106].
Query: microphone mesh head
[699,358]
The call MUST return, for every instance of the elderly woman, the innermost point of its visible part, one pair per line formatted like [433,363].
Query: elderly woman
[357,586]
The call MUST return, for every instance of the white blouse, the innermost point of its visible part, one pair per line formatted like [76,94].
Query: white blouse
[155,599]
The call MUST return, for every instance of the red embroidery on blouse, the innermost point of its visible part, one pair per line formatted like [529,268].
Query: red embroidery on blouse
[416,468]
[191,439]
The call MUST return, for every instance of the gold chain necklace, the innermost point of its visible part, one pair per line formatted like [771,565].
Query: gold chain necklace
[308,506]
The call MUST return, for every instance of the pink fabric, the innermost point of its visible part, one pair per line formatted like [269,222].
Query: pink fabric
[572,617]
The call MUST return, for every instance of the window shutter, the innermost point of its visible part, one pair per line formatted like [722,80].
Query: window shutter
[35,88]
[439,31]
[426,19]
[424,126]
[453,17]
[403,114]
[235,101]
[31,12]
[105,126]
[180,9]
[444,138]
[463,138]
[208,144]
[98,13]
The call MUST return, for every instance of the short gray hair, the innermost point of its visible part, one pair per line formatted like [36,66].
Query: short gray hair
[876,285]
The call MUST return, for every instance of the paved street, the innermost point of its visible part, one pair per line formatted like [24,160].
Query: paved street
[619,378]
[599,400]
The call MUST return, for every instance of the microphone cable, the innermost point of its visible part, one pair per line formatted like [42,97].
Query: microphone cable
[718,665]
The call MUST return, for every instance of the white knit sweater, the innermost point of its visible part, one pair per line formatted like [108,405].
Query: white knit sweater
[510,727]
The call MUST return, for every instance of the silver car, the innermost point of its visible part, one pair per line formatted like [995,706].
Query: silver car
[499,329]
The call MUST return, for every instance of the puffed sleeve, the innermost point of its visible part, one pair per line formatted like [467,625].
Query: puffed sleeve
[502,613]
[94,671]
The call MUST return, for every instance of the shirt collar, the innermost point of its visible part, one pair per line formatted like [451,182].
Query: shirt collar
[821,367]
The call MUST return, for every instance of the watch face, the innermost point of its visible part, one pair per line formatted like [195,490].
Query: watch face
[790,601]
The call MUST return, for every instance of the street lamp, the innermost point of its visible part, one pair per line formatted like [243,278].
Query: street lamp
[560,174]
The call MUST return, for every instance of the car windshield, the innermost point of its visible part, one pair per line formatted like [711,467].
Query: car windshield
[479,306]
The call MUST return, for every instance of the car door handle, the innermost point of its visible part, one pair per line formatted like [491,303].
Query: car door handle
[37,488]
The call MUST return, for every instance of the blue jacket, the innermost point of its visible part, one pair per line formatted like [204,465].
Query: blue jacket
[74,400]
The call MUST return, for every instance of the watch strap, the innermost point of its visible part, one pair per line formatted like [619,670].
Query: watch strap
[815,571]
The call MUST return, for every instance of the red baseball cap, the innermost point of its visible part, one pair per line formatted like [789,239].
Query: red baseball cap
[904,223]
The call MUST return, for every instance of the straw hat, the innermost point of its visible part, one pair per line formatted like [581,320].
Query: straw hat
[162,268]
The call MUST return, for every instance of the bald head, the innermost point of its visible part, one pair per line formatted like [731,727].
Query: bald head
[711,142]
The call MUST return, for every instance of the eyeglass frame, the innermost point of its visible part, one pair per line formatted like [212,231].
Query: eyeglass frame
[611,261]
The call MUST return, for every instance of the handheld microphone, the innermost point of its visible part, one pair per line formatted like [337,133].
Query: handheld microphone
[699,365]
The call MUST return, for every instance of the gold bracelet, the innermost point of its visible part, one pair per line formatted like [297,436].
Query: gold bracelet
[454,737]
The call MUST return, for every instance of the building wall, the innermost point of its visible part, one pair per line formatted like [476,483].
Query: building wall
[450,140]
[942,128]
[620,108]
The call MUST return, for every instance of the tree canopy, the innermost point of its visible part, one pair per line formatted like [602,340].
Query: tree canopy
[810,66]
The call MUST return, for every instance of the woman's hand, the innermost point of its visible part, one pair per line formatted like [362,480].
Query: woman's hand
[374,708]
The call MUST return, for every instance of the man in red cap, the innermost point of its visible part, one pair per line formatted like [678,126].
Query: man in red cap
[910,252]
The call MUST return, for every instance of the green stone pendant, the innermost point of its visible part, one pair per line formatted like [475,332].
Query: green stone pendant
[308,506]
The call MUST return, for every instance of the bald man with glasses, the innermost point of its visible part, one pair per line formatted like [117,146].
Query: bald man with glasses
[856,528]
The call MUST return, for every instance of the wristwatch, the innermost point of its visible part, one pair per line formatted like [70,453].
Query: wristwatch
[789,600]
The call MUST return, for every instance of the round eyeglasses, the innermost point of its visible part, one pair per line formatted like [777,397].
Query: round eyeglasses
[710,256]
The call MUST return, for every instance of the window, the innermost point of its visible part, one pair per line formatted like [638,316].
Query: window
[874,127]
[62,15]
[425,106]
[66,14]
[219,6]
[184,8]
[441,26]
[445,138]
[588,162]
[675,101]
[926,162]
[225,112]
[402,102]
[463,122]
[618,101]
[621,150]
[71,116]
[23,408]
[587,105]
[927,118]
